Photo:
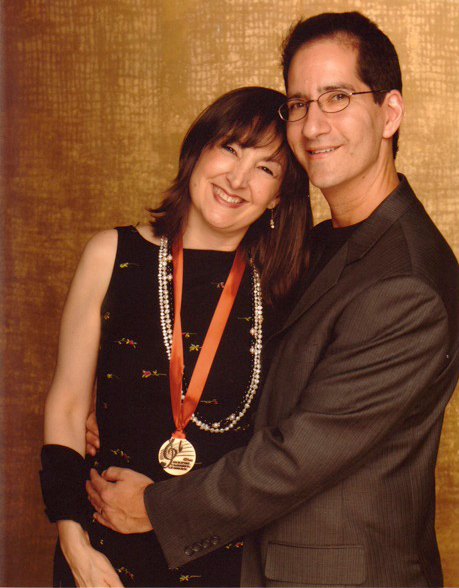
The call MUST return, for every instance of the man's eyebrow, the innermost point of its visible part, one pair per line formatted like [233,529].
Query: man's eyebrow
[322,89]
[341,86]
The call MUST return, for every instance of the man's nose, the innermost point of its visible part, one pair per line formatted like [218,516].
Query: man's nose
[316,122]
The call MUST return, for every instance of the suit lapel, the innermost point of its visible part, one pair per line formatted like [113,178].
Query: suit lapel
[325,280]
[381,219]
[360,242]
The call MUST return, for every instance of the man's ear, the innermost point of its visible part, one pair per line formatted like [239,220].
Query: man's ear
[394,109]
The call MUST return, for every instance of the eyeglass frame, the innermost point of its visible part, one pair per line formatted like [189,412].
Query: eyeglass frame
[309,102]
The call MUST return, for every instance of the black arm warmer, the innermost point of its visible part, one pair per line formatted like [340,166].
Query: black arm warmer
[63,485]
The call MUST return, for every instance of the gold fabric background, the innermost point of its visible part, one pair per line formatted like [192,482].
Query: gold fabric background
[98,94]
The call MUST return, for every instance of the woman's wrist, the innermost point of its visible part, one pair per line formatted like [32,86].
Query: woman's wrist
[72,538]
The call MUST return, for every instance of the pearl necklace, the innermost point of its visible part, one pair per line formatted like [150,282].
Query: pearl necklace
[164,279]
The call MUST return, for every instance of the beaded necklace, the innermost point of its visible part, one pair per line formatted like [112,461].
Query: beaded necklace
[164,280]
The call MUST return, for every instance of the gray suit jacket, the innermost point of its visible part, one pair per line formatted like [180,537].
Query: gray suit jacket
[337,486]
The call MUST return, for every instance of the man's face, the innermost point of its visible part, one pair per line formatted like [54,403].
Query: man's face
[338,150]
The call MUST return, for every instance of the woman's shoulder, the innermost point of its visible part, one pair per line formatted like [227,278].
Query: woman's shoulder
[94,269]
[102,246]
[101,249]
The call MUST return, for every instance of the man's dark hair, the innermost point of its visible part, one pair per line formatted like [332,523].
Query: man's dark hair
[377,62]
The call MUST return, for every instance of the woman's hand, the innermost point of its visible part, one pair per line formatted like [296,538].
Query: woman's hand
[89,567]
[92,434]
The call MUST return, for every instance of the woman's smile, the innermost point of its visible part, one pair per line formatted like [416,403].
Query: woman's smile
[223,197]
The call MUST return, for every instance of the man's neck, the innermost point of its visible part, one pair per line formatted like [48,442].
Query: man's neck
[355,202]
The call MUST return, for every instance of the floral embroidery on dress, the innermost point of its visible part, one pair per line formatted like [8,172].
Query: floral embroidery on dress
[194,347]
[128,264]
[187,334]
[123,570]
[121,454]
[126,341]
[218,285]
[213,401]
[112,377]
[244,318]
[188,577]
[106,316]
[245,427]
[149,373]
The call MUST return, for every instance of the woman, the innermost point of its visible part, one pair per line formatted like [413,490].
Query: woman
[238,189]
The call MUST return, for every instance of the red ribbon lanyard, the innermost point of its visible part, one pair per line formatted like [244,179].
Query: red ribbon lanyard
[182,412]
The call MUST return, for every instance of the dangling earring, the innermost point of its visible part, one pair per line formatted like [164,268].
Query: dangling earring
[271,220]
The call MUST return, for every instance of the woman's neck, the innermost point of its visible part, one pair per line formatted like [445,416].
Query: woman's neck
[214,242]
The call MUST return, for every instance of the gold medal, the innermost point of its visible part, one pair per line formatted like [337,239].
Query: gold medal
[177,456]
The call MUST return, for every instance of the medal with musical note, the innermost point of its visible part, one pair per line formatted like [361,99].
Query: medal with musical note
[177,456]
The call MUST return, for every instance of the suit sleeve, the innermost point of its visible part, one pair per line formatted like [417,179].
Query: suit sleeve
[386,350]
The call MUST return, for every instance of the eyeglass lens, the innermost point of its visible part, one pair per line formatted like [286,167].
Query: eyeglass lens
[296,108]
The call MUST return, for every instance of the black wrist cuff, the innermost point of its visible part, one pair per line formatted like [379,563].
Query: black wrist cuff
[63,484]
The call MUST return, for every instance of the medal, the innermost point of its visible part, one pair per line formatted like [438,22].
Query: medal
[177,456]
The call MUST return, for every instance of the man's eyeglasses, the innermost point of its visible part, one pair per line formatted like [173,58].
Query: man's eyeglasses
[331,101]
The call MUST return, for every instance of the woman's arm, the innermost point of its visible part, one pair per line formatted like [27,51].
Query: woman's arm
[69,398]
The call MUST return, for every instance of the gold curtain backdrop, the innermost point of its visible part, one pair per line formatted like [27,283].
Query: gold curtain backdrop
[97,97]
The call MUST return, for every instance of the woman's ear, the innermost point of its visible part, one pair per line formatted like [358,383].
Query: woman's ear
[394,109]
[274,202]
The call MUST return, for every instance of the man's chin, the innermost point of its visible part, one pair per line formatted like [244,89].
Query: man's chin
[321,182]
[321,176]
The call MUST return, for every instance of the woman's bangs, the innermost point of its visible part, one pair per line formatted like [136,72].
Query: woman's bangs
[254,133]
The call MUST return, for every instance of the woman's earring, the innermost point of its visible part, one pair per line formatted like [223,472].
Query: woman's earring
[271,220]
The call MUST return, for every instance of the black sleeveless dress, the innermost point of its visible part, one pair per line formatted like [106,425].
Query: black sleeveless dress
[133,401]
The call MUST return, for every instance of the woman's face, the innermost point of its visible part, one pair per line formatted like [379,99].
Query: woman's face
[230,188]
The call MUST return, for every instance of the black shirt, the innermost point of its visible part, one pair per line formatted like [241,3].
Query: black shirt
[324,241]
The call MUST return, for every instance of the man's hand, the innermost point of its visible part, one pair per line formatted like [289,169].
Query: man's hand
[117,496]
[92,434]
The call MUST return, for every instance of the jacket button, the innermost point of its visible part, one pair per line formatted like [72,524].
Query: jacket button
[196,547]
[215,539]
[206,543]
[189,551]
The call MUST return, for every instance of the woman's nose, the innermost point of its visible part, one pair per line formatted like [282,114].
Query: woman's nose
[238,175]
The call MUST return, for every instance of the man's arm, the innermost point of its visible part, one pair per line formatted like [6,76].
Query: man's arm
[388,347]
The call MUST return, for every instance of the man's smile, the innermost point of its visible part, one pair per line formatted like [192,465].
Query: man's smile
[321,151]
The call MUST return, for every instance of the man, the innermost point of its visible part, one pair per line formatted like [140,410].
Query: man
[337,485]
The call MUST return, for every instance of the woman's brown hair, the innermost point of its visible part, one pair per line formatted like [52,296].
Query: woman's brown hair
[248,116]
